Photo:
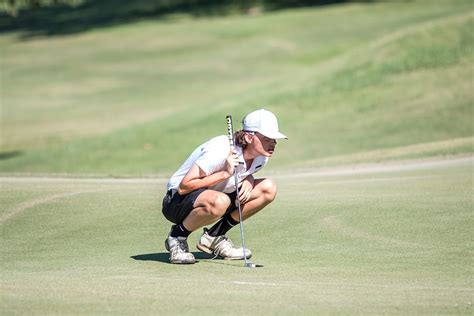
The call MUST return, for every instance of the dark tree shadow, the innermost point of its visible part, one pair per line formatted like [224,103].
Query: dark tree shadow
[62,19]
[10,154]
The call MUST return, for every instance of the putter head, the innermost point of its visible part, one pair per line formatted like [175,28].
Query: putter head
[252,265]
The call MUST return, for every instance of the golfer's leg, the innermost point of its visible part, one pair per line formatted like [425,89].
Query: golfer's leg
[208,207]
[263,193]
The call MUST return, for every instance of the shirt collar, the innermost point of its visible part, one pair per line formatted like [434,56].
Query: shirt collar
[240,154]
[257,163]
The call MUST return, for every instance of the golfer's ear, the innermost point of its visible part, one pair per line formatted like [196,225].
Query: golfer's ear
[248,138]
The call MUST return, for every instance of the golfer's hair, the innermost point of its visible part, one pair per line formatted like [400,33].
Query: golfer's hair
[239,139]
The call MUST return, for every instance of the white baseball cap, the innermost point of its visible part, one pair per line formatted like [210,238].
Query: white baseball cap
[264,122]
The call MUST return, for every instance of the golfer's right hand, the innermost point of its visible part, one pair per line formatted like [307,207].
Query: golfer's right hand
[231,162]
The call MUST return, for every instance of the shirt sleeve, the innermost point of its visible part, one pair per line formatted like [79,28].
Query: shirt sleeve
[213,157]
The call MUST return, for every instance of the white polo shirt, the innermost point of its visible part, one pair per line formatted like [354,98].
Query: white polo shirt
[211,157]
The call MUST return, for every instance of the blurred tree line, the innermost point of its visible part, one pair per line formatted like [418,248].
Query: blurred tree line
[60,17]
[14,6]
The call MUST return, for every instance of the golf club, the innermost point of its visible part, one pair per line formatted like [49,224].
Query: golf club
[230,134]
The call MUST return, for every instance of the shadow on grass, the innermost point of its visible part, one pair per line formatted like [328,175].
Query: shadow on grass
[63,19]
[164,257]
[10,154]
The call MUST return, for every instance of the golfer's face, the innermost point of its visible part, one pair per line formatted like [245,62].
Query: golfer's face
[267,145]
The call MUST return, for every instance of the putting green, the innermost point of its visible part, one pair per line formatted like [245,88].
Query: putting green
[378,239]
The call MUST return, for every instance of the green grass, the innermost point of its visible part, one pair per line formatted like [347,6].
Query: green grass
[351,84]
[394,241]
[345,80]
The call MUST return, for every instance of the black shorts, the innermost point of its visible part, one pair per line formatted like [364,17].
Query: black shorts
[178,207]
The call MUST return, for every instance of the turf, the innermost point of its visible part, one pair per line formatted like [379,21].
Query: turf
[381,239]
[353,85]
[345,80]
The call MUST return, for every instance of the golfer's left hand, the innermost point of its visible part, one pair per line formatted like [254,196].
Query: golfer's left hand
[245,191]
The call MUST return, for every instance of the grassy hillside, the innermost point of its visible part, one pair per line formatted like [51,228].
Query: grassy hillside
[350,83]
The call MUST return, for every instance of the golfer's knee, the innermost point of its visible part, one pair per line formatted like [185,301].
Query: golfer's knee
[269,190]
[218,204]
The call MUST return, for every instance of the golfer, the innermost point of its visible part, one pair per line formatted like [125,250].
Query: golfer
[202,191]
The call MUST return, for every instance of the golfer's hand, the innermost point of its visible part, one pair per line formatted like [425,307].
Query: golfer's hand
[231,162]
[245,191]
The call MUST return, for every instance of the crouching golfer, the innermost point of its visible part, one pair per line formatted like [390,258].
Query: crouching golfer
[202,191]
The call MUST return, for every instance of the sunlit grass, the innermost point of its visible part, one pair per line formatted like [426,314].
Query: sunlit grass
[343,80]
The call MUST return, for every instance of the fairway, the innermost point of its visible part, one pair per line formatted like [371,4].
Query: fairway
[367,82]
[384,238]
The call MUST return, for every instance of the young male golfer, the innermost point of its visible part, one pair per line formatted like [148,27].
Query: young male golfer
[202,191]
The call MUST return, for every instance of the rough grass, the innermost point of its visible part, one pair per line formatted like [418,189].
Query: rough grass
[397,240]
[345,80]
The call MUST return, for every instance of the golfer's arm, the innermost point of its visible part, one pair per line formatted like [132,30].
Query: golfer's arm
[250,179]
[197,179]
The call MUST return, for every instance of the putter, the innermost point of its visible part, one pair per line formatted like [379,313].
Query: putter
[230,134]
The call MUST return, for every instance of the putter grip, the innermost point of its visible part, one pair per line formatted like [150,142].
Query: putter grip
[230,130]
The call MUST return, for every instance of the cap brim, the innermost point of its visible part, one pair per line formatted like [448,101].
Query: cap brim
[275,135]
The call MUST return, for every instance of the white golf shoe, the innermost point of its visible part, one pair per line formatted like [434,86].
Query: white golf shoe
[179,250]
[221,246]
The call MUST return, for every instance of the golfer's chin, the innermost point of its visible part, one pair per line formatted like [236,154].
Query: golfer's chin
[269,153]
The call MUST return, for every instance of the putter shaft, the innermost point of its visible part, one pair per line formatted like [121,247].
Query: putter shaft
[236,179]
[230,134]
